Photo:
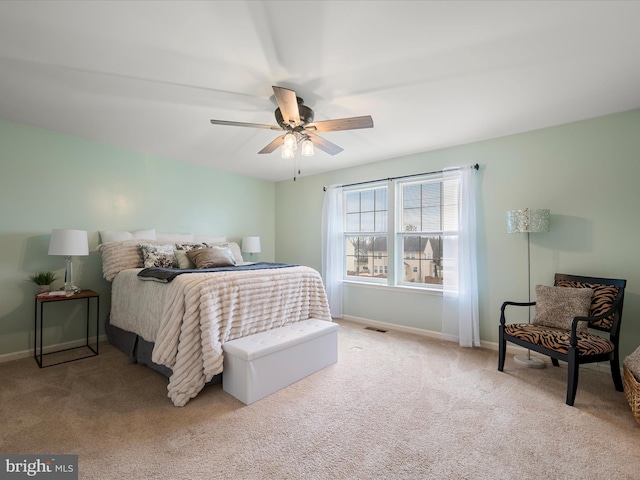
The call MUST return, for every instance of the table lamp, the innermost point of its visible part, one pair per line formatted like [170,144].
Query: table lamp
[69,243]
[251,245]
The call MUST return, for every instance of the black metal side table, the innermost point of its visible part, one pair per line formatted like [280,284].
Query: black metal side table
[83,294]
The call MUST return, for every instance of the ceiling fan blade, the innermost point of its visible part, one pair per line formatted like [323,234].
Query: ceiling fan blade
[273,145]
[324,145]
[243,124]
[351,123]
[288,103]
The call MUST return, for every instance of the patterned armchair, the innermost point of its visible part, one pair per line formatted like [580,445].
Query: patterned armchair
[560,329]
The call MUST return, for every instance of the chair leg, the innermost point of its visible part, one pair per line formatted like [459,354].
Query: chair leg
[555,362]
[573,369]
[502,348]
[615,373]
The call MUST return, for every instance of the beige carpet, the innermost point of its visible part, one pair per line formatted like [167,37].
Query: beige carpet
[395,406]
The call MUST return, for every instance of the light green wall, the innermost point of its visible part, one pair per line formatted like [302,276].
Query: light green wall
[587,173]
[49,180]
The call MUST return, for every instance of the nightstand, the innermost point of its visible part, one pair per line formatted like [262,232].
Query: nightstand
[40,302]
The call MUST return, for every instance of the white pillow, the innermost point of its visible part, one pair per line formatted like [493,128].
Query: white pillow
[107,236]
[118,256]
[210,238]
[175,237]
[233,246]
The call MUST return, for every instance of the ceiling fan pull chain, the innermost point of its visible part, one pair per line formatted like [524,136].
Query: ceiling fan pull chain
[296,168]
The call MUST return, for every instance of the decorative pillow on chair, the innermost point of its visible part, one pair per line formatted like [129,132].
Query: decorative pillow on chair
[211,257]
[556,306]
[158,256]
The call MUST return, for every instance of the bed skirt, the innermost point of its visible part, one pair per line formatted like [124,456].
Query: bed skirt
[139,350]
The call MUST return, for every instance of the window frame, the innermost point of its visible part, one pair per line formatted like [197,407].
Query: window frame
[402,233]
[373,258]
[395,234]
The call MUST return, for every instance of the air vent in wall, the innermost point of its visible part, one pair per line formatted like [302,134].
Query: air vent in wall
[375,329]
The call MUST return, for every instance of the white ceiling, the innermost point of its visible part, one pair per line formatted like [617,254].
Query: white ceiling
[148,76]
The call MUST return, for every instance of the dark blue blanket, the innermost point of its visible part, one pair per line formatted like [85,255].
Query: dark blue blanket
[165,275]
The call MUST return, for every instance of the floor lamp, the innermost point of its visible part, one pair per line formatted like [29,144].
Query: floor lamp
[528,221]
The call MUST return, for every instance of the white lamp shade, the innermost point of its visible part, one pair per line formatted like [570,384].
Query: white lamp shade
[307,148]
[528,220]
[251,244]
[68,242]
[287,153]
[289,141]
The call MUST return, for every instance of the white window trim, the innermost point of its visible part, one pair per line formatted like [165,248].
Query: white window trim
[394,257]
[384,286]
[359,188]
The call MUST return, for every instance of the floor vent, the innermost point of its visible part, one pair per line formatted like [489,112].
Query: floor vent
[375,329]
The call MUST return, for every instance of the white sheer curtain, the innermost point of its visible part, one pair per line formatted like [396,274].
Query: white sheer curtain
[332,248]
[460,320]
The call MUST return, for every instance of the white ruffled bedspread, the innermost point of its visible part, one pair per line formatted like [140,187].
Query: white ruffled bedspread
[198,312]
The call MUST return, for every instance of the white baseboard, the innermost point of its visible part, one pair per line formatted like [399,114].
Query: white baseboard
[9,357]
[424,333]
[511,348]
[392,326]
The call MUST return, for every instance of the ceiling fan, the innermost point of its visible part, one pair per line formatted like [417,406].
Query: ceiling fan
[296,120]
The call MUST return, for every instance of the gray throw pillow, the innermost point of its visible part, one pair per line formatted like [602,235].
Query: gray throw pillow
[211,257]
[556,306]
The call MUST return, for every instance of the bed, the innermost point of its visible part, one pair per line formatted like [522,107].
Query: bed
[174,317]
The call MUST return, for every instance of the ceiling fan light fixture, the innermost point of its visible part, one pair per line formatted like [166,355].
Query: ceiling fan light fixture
[307,148]
[296,120]
[287,153]
[290,141]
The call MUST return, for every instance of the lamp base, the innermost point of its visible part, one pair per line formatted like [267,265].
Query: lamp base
[70,288]
[529,361]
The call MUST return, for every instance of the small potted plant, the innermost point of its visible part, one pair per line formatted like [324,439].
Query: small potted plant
[43,280]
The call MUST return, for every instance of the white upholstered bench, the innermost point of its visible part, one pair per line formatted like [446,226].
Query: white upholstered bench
[261,364]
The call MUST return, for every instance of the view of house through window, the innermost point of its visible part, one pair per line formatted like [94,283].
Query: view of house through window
[366,225]
[420,233]
[426,209]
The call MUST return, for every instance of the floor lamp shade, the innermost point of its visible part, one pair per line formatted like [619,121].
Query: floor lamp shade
[69,243]
[528,220]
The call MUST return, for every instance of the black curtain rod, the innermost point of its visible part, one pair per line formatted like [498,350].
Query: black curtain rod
[475,166]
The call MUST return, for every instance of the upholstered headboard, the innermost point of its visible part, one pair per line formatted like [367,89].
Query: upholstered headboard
[122,250]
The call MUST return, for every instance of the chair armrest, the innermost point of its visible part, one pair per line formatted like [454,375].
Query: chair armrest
[516,304]
[573,339]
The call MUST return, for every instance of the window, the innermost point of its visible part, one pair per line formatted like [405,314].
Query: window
[366,233]
[424,208]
